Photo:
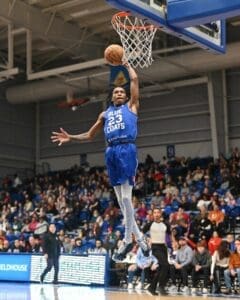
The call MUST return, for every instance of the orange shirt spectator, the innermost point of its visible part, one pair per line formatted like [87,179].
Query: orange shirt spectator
[216,215]
[234,262]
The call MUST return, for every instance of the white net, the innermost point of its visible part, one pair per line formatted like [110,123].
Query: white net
[136,37]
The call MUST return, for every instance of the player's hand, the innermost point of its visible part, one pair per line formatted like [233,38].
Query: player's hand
[46,256]
[60,137]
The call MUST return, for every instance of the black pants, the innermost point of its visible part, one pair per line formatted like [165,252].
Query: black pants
[161,275]
[217,275]
[180,273]
[196,275]
[52,262]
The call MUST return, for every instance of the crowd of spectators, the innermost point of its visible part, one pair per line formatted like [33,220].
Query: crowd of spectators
[199,197]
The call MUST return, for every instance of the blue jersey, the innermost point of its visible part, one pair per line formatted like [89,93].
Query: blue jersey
[120,123]
[120,128]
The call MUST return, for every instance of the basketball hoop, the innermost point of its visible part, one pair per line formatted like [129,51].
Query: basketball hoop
[136,37]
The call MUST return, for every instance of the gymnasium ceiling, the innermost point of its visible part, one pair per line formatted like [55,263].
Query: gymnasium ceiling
[75,33]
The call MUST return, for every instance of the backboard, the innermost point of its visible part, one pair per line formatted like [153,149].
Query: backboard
[210,36]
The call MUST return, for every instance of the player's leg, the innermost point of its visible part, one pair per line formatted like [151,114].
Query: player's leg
[127,242]
[118,193]
[130,222]
[47,269]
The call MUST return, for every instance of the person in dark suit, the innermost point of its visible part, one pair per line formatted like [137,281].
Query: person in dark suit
[51,250]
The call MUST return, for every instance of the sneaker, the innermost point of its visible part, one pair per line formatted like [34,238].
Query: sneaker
[151,292]
[139,286]
[173,289]
[204,291]
[185,290]
[120,255]
[144,246]
[146,286]
[194,290]
[130,286]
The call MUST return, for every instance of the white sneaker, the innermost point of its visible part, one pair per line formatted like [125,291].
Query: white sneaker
[205,291]
[194,290]
[139,286]
[185,290]
[130,286]
[172,289]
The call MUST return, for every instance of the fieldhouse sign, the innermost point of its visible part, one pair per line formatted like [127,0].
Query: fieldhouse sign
[15,267]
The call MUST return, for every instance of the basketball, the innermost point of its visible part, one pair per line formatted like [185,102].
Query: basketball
[113,54]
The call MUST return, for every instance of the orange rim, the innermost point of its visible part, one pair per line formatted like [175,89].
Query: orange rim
[116,19]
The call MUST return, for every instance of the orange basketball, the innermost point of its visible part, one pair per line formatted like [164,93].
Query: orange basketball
[113,54]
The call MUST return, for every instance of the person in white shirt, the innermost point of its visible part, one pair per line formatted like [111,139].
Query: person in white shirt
[158,229]
[98,249]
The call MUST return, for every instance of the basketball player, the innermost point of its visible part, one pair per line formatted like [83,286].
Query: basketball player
[119,122]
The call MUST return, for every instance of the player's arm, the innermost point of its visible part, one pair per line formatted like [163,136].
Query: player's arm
[64,137]
[134,89]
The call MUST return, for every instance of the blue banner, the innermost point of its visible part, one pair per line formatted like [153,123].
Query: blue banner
[15,267]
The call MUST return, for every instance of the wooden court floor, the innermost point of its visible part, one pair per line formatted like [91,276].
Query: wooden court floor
[22,291]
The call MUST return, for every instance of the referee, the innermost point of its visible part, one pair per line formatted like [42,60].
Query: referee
[51,250]
[158,230]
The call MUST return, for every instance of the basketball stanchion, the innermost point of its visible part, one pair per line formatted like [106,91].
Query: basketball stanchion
[136,37]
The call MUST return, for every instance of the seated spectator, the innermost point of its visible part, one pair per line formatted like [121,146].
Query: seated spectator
[25,228]
[67,245]
[33,245]
[220,262]
[143,266]
[201,266]
[178,216]
[193,201]
[28,206]
[33,223]
[111,210]
[95,216]
[184,189]
[216,216]
[17,248]
[98,249]
[231,242]
[179,220]
[203,226]
[157,199]
[198,174]
[16,225]
[182,266]
[6,246]
[233,270]
[141,212]
[78,248]
[214,242]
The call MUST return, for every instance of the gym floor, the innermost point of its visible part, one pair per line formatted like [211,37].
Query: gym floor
[25,291]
